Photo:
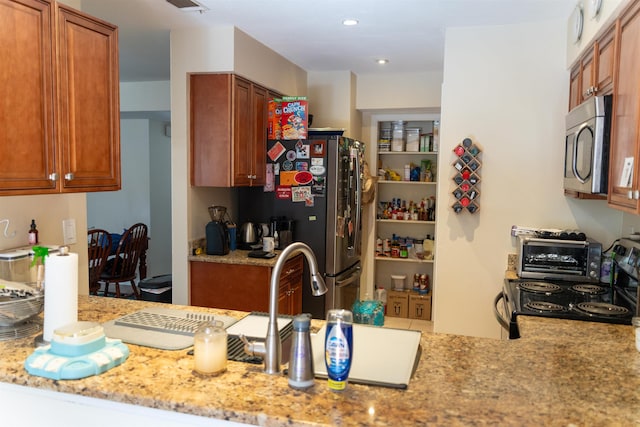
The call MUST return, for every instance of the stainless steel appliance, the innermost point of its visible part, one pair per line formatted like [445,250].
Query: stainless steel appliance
[593,302]
[317,187]
[626,259]
[586,165]
[551,256]
[562,296]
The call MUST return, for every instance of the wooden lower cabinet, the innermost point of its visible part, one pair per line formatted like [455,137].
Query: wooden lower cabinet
[245,287]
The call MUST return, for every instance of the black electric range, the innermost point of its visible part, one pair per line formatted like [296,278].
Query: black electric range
[593,302]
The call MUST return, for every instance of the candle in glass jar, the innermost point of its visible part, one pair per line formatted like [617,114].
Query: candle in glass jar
[210,349]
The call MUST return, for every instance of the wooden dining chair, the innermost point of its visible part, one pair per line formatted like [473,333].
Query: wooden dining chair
[121,268]
[99,247]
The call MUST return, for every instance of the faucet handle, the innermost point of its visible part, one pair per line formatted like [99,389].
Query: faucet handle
[253,348]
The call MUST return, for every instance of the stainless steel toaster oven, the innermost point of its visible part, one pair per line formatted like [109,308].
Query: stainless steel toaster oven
[555,259]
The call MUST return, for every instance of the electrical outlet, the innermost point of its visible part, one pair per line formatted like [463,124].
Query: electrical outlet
[69,231]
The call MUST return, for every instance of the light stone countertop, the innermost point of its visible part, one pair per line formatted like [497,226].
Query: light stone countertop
[560,373]
[236,257]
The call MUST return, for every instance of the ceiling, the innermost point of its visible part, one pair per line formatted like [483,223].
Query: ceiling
[309,33]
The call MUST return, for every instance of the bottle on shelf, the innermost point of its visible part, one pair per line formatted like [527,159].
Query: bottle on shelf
[33,233]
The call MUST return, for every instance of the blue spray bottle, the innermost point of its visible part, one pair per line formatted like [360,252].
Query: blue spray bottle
[338,346]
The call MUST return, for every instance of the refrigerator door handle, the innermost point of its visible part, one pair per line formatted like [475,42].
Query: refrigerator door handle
[349,280]
[358,174]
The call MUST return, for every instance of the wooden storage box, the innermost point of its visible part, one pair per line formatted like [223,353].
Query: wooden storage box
[420,306]
[397,303]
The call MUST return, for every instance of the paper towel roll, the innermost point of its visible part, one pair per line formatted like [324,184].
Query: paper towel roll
[60,292]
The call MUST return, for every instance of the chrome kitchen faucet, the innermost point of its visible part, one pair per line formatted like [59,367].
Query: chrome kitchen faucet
[271,349]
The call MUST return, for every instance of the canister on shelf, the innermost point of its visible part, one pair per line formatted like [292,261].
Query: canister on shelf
[395,250]
[379,247]
[397,136]
[404,252]
[386,247]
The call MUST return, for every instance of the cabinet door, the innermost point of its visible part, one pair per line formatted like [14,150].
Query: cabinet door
[27,148]
[605,58]
[624,142]
[259,99]
[230,286]
[586,76]
[210,109]
[243,153]
[575,94]
[88,102]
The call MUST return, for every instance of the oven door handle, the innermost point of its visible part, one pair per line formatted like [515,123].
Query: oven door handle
[499,317]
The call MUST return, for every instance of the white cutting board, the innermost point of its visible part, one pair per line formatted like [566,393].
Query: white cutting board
[381,356]
[255,326]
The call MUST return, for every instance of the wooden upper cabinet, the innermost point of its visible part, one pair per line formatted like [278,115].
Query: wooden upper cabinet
[59,114]
[586,78]
[228,131]
[259,112]
[88,102]
[626,113]
[593,73]
[575,92]
[605,54]
[27,84]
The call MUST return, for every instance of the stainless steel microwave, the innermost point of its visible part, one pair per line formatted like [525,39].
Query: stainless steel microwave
[555,259]
[586,160]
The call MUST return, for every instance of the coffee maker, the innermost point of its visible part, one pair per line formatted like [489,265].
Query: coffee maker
[283,226]
[217,233]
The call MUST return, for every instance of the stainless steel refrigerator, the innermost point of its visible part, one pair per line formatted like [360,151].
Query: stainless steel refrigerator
[316,183]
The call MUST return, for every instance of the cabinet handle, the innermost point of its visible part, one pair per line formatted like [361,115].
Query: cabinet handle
[69,176]
[636,194]
[53,177]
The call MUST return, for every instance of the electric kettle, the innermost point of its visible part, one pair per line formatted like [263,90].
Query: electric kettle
[249,233]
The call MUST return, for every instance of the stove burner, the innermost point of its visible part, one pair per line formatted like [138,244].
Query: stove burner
[588,289]
[540,287]
[602,309]
[544,307]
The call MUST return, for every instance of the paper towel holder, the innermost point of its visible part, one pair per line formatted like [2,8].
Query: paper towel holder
[40,341]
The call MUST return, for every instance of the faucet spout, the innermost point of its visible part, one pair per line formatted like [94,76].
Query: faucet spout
[272,351]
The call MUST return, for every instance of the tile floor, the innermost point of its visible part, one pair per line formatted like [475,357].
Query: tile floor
[413,324]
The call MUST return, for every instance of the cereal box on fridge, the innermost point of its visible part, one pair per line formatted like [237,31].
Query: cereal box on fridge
[274,112]
[294,119]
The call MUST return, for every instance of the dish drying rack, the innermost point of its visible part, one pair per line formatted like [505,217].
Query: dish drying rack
[164,328]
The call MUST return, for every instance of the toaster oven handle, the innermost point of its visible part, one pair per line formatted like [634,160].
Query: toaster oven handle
[499,317]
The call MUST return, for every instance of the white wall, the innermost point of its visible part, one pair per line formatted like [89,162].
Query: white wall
[145,96]
[511,102]
[402,91]
[48,211]
[118,210]
[330,99]
[159,256]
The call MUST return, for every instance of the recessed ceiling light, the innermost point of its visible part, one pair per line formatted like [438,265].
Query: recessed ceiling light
[350,22]
[382,61]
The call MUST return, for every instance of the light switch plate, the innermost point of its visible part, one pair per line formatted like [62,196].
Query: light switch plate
[69,231]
